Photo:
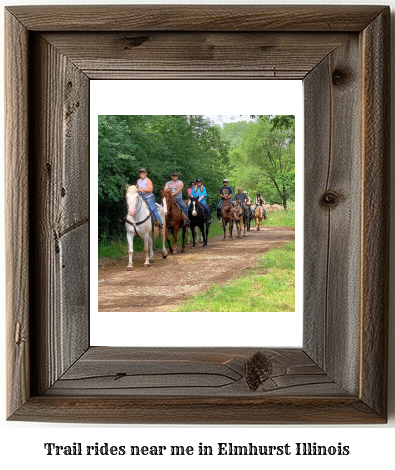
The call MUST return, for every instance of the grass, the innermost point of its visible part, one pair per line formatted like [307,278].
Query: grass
[118,248]
[268,287]
[281,218]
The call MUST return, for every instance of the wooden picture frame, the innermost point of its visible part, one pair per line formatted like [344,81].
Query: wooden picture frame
[340,373]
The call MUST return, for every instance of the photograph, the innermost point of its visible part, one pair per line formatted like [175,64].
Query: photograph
[196,213]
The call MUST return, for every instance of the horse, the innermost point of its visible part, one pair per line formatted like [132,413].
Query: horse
[239,217]
[198,234]
[258,216]
[198,218]
[228,215]
[247,218]
[139,222]
[175,219]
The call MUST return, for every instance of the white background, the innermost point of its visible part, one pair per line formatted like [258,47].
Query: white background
[223,97]
[22,443]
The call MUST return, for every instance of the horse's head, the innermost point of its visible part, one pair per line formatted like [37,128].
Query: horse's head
[234,212]
[238,209]
[132,199]
[167,198]
[194,206]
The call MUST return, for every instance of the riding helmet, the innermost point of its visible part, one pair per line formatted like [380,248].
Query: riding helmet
[258,194]
[199,179]
[225,180]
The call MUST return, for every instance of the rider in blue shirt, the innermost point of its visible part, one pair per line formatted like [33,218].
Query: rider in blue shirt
[225,193]
[200,192]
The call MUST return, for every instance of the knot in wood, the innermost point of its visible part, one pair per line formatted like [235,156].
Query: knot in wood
[339,77]
[259,369]
[330,198]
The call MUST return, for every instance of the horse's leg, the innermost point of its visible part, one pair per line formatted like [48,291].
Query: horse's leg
[204,233]
[230,229]
[224,227]
[168,240]
[193,230]
[174,252]
[129,237]
[163,237]
[189,235]
[146,250]
[151,248]
[184,229]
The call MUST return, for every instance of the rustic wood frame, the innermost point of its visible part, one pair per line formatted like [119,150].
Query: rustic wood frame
[340,374]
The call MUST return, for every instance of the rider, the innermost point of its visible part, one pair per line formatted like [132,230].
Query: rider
[175,186]
[248,204]
[259,202]
[243,199]
[239,196]
[200,192]
[145,188]
[226,194]
[192,185]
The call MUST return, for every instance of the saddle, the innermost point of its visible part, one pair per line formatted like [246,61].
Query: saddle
[183,216]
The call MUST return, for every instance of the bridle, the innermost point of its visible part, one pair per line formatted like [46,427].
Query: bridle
[174,203]
[135,224]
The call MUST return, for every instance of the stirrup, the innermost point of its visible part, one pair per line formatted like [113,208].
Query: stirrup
[187,222]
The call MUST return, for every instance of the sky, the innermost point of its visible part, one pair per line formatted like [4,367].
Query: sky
[220,118]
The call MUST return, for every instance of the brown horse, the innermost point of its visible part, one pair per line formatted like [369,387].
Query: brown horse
[258,216]
[239,218]
[229,215]
[175,220]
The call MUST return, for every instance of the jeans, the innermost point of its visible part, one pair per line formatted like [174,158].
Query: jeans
[150,200]
[182,205]
[206,208]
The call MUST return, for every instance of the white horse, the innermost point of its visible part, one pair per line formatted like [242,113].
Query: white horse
[138,221]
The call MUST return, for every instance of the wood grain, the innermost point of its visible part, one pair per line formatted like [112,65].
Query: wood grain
[17,213]
[376,204]
[60,182]
[339,376]
[196,17]
[196,55]
[188,372]
[333,156]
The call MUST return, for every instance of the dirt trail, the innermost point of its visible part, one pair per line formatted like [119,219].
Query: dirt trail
[171,281]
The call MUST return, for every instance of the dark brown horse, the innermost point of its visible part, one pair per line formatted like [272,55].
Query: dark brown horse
[175,220]
[229,216]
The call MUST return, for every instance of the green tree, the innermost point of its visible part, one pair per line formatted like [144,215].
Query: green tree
[263,157]
[188,144]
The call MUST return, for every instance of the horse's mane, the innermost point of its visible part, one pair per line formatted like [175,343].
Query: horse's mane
[259,210]
[131,189]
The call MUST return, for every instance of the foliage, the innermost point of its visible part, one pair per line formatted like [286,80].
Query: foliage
[262,157]
[269,287]
[256,155]
[188,144]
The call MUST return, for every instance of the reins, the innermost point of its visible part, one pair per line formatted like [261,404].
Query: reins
[178,211]
[135,224]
